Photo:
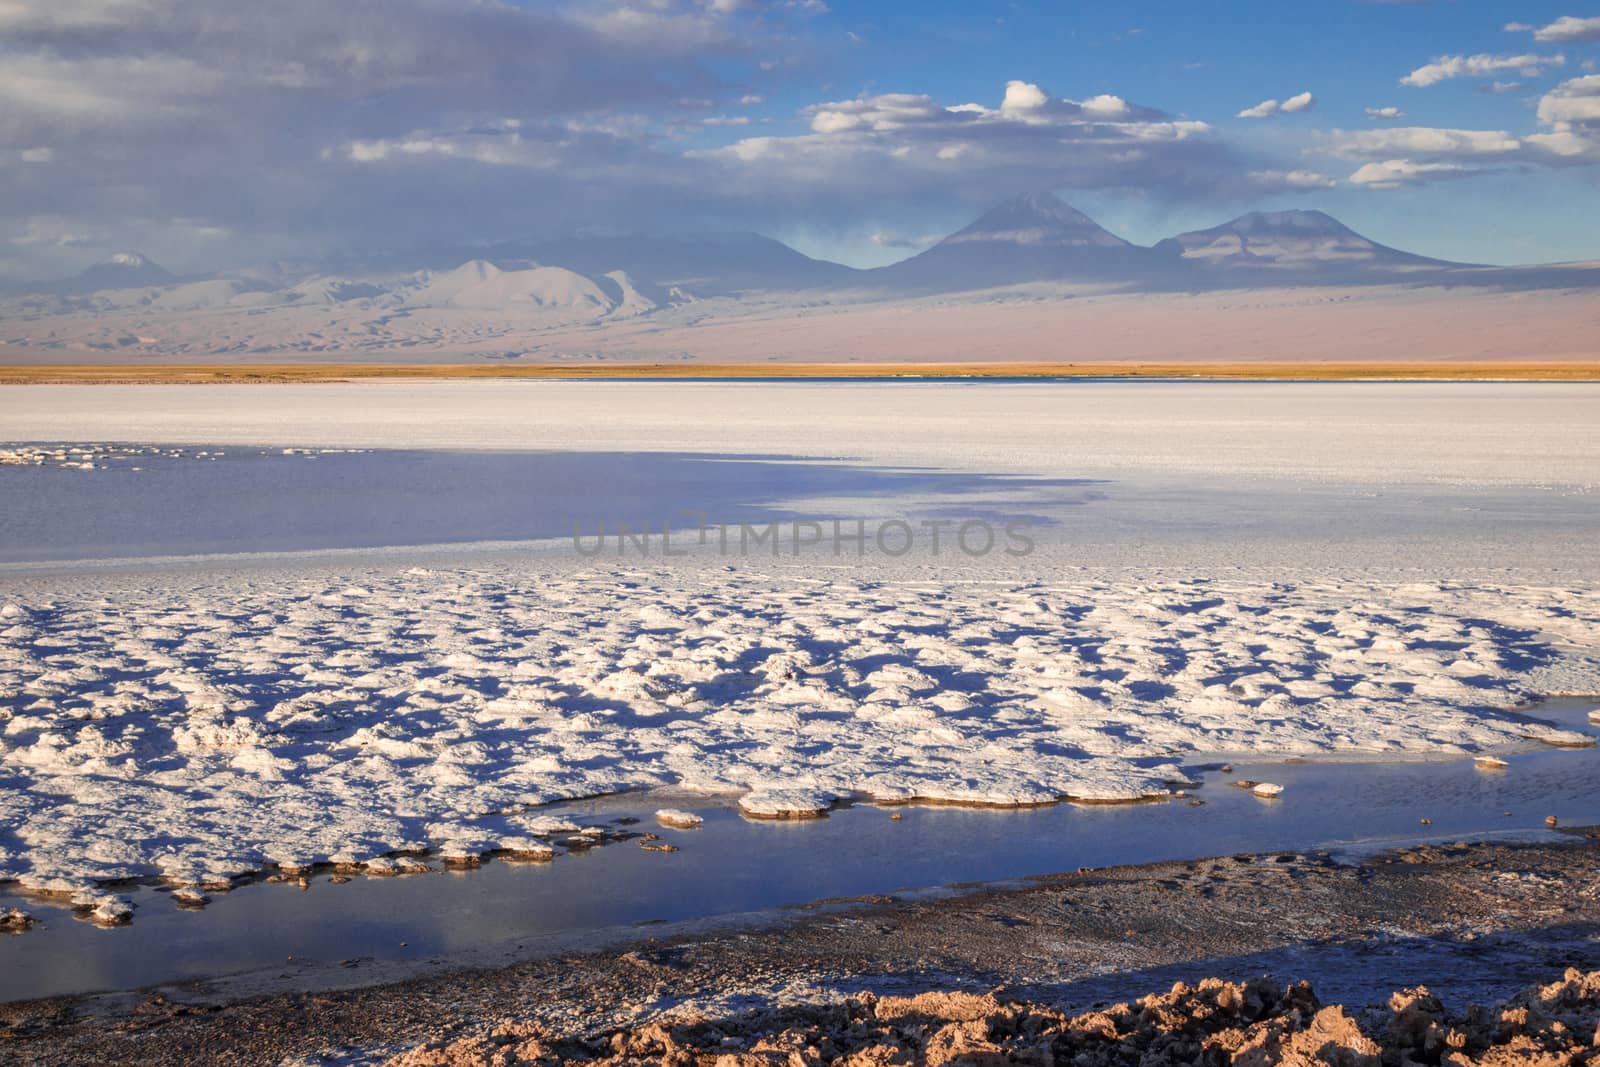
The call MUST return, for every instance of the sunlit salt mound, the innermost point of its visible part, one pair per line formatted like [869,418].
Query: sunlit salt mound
[1551,735]
[785,804]
[677,819]
[480,285]
[1293,243]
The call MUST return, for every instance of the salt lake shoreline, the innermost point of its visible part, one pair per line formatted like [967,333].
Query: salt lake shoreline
[1473,921]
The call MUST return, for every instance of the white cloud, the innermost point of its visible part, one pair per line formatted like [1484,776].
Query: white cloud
[1385,113]
[1479,66]
[1426,141]
[1414,155]
[904,145]
[1299,102]
[1395,173]
[37,155]
[889,111]
[1575,102]
[1023,98]
[1571,111]
[1106,106]
[1567,28]
[1294,105]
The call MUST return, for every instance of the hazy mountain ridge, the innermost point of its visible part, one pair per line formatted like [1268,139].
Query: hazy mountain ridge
[1028,239]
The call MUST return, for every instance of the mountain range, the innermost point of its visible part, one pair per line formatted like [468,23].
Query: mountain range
[1029,239]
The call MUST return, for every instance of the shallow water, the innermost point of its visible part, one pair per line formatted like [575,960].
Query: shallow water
[731,865]
[143,501]
[167,503]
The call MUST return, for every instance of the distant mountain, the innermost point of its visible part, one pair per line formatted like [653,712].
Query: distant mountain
[709,265]
[483,286]
[1029,238]
[1291,246]
[124,270]
[1034,238]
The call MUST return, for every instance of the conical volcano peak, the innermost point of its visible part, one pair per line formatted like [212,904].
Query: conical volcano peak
[1040,218]
[121,270]
[1044,206]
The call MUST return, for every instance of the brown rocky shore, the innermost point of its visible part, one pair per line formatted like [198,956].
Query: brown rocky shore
[1062,969]
[1213,1023]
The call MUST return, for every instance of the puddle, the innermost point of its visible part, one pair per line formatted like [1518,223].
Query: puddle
[730,865]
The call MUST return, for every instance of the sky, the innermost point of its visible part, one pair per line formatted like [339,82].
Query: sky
[222,134]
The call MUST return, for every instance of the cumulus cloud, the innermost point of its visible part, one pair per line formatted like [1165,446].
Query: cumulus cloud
[1569,135]
[1479,66]
[1268,108]
[1385,113]
[897,145]
[1562,30]
[1396,173]
[1571,113]
[1575,102]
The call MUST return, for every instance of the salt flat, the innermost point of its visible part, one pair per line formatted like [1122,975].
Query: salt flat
[197,722]
[1524,434]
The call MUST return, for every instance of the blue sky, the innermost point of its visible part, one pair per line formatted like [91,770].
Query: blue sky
[216,133]
[1210,62]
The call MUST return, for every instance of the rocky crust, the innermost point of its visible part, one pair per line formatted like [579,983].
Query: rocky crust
[1214,1023]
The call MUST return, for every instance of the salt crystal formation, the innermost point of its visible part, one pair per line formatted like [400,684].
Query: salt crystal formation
[196,728]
